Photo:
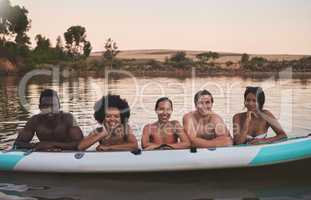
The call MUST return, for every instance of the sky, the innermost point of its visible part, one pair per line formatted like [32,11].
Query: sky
[241,26]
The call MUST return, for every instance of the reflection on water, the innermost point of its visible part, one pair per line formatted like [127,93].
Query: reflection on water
[289,100]
[217,185]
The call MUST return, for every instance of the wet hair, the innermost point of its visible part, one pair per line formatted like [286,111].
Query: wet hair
[48,93]
[111,101]
[161,100]
[258,92]
[202,93]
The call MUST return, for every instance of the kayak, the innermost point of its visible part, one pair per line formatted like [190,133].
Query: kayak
[158,160]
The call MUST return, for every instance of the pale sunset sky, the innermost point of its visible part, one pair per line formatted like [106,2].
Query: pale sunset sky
[250,26]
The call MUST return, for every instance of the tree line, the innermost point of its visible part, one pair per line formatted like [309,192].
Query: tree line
[15,43]
[73,47]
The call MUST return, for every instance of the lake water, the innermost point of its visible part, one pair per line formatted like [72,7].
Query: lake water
[288,99]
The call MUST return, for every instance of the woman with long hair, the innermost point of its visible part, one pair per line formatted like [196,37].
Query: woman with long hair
[252,126]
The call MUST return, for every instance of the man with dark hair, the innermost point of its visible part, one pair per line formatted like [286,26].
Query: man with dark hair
[204,127]
[56,130]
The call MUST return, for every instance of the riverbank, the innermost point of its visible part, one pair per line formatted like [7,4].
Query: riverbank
[160,63]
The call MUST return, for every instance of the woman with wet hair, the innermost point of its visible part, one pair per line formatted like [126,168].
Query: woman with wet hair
[252,126]
[112,113]
[164,133]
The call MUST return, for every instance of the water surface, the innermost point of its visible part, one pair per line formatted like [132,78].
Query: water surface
[287,99]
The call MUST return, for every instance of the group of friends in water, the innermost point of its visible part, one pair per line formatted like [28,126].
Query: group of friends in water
[201,128]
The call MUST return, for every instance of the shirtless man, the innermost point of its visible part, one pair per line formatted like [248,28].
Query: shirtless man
[56,130]
[204,127]
[164,134]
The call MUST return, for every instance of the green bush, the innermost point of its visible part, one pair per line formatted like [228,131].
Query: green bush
[179,60]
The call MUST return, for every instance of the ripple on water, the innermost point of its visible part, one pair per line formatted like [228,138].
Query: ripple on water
[6,190]
[79,94]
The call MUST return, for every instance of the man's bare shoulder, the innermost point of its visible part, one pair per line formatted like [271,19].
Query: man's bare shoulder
[34,118]
[150,126]
[216,117]
[67,115]
[188,115]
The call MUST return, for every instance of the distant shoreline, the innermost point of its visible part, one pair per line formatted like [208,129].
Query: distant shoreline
[160,54]
[188,74]
[157,63]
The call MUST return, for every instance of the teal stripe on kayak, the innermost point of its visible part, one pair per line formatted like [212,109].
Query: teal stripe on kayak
[282,152]
[8,161]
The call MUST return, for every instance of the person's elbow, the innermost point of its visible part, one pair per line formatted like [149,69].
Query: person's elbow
[238,141]
[23,145]
[227,141]
[17,144]
[186,144]
[283,135]
[134,146]
[81,147]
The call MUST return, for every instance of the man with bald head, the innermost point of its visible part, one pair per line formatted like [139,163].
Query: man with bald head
[55,129]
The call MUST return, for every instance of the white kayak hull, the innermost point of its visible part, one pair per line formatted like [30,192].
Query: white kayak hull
[160,160]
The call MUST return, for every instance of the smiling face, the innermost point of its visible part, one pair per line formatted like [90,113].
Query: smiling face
[164,111]
[112,117]
[251,102]
[204,104]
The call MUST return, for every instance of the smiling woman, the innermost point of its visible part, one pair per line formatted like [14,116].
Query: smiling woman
[252,126]
[164,134]
[112,113]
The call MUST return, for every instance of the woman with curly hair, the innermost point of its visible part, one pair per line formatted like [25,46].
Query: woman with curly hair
[115,134]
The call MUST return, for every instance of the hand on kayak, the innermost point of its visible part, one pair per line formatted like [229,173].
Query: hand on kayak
[103,148]
[165,147]
[152,147]
[159,147]
[258,141]
[47,146]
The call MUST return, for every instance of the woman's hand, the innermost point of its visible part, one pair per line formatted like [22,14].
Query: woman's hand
[258,141]
[100,133]
[248,116]
[152,147]
[165,147]
[103,148]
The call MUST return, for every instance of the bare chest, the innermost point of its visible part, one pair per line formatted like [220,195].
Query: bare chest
[161,136]
[205,128]
[52,130]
